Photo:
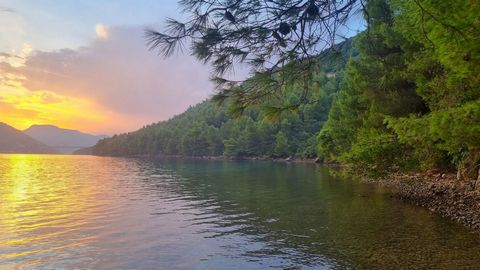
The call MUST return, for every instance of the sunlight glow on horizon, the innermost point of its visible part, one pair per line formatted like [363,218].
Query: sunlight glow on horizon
[22,108]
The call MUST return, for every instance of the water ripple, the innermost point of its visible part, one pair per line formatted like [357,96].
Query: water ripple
[78,212]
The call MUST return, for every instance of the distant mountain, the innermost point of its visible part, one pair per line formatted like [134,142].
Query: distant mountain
[63,140]
[15,141]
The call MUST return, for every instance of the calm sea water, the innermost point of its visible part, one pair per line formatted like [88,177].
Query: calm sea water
[80,212]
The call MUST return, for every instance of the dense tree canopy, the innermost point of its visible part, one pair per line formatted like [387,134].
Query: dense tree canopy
[410,100]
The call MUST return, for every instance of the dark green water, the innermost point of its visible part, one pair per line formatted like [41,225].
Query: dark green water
[66,212]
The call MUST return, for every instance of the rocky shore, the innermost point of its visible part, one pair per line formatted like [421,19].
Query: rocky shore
[439,192]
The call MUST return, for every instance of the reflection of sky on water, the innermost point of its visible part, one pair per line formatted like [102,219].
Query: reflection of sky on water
[102,213]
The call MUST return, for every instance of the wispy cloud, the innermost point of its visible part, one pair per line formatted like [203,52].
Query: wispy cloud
[7,9]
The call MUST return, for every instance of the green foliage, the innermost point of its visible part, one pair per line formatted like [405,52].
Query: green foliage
[449,134]
[338,133]
[410,99]
[281,145]
[375,152]
[446,68]
[373,88]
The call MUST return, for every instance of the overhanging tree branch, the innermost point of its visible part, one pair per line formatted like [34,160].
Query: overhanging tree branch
[264,35]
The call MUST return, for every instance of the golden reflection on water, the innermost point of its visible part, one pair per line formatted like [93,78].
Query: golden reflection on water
[80,212]
[40,202]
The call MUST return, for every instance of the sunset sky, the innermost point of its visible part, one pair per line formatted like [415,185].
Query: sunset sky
[84,65]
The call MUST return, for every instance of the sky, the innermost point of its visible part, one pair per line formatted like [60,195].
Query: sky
[84,64]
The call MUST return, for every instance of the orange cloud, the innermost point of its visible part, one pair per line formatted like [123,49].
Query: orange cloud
[21,108]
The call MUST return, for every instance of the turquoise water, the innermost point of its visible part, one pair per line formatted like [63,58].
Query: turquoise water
[81,212]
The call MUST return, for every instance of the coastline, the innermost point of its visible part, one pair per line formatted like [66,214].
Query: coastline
[440,193]
[289,160]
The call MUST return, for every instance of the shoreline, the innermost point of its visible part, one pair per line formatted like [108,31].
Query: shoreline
[286,160]
[438,192]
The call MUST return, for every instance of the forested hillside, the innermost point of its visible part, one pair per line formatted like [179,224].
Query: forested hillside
[409,101]
[210,130]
